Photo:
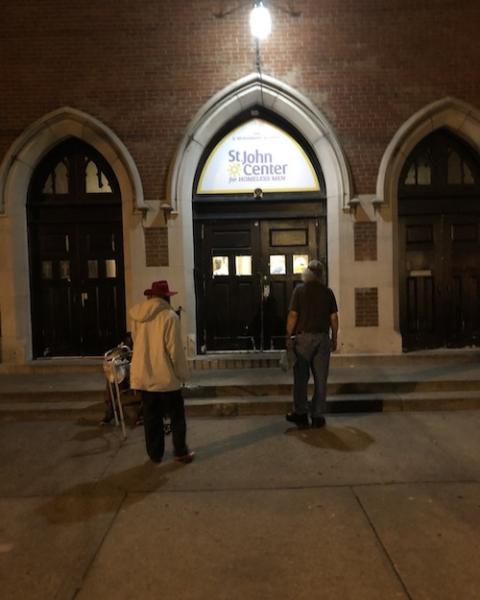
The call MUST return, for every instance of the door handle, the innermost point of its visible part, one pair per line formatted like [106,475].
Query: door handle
[265,287]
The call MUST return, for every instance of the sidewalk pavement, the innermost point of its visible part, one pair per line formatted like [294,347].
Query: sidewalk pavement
[372,507]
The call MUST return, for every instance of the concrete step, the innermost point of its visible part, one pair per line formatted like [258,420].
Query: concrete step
[95,392]
[254,360]
[358,384]
[333,389]
[250,360]
[52,366]
[229,406]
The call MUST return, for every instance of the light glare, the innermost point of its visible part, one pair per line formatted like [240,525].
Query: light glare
[260,22]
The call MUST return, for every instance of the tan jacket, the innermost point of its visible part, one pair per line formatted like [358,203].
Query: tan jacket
[158,363]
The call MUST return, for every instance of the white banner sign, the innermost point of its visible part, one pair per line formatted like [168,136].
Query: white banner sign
[257,155]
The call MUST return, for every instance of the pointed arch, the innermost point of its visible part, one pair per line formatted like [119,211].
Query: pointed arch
[37,140]
[260,90]
[459,117]
[16,172]
[277,97]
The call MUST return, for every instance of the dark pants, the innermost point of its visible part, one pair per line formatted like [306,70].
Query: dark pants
[156,406]
[312,352]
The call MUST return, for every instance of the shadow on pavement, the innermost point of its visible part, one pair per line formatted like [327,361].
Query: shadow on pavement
[87,500]
[344,439]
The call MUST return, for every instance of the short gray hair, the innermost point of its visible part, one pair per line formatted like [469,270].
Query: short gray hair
[314,271]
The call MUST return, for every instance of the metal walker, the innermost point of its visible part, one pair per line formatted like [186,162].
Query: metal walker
[116,366]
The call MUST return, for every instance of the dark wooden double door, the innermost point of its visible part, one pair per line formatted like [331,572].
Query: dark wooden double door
[78,297]
[440,280]
[246,272]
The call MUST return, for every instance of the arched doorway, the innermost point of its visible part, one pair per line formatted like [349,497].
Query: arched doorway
[257,223]
[74,217]
[439,244]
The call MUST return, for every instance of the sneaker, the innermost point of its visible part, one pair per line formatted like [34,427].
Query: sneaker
[301,421]
[185,458]
[318,422]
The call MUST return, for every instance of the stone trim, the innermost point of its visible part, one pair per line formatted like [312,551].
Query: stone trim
[46,133]
[250,91]
[15,175]
[458,116]
[263,90]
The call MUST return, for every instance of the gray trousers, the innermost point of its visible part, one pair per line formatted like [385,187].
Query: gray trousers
[312,351]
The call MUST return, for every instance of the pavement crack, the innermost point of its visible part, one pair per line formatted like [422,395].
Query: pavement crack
[99,547]
[382,545]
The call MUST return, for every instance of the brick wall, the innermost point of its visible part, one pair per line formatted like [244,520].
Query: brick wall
[156,247]
[366,307]
[145,68]
[365,240]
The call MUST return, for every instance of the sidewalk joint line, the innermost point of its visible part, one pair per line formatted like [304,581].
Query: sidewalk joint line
[88,568]
[382,545]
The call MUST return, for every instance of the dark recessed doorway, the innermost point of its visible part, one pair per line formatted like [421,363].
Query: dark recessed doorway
[76,254]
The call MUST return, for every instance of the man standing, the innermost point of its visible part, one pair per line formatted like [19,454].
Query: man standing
[158,369]
[312,315]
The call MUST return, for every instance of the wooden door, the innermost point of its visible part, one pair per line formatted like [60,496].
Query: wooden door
[228,287]
[100,288]
[287,246]
[246,273]
[76,253]
[78,302]
[462,265]
[422,283]
[440,282]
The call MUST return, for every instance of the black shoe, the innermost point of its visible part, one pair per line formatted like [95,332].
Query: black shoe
[318,422]
[301,421]
[107,419]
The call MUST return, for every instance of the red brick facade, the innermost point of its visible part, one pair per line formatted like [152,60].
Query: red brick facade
[156,247]
[149,84]
[365,240]
[366,307]
[145,68]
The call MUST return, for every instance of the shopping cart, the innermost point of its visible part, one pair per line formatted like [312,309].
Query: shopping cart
[116,366]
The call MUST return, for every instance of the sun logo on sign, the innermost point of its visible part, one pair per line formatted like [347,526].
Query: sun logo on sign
[234,169]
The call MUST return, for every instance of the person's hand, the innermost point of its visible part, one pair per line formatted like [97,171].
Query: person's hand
[333,344]
[289,342]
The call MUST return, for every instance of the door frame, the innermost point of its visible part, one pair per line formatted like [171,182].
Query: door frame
[206,213]
[73,211]
[440,203]
[453,114]
[16,170]
[311,124]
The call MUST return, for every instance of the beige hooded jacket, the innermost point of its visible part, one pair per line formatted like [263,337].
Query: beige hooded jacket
[159,363]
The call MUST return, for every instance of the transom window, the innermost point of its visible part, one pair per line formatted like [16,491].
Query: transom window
[74,172]
[441,163]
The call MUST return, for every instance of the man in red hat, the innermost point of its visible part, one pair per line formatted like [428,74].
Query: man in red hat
[159,369]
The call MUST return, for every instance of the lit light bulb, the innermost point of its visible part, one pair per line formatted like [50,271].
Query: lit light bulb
[260,21]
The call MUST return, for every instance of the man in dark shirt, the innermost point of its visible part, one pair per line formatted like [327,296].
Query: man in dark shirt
[312,317]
